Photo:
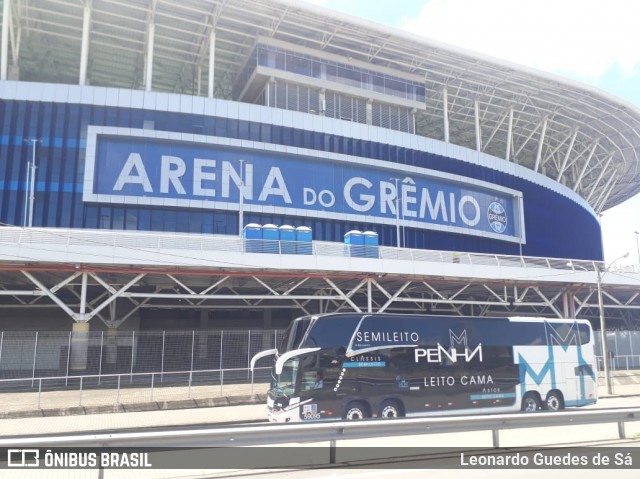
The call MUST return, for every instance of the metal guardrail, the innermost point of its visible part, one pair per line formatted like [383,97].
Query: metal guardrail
[158,242]
[116,389]
[268,434]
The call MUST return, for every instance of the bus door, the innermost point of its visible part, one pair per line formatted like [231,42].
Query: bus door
[317,381]
[585,385]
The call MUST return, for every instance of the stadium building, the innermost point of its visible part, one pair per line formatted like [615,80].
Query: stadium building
[236,163]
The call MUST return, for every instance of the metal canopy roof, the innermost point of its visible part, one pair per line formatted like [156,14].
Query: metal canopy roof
[572,133]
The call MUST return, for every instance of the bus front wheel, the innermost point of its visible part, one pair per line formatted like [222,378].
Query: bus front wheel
[355,411]
[530,402]
[554,401]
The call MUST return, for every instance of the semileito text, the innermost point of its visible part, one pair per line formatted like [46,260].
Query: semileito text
[387,336]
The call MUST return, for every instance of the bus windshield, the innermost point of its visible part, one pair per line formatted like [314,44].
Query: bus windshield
[284,384]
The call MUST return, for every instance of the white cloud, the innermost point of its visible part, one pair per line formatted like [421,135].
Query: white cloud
[580,38]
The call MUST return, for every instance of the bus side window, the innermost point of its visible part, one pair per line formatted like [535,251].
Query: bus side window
[312,380]
[317,370]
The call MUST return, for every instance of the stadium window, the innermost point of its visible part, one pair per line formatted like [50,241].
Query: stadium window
[105,218]
[254,131]
[297,138]
[118,218]
[307,139]
[276,134]
[318,140]
[157,220]
[265,133]
[144,219]
[280,61]
[298,65]
[170,220]
[91,217]
[243,130]
[232,128]
[220,127]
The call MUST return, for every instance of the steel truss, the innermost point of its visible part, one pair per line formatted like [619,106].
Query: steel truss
[115,295]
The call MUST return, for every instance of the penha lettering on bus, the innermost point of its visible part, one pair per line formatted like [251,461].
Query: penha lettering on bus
[440,353]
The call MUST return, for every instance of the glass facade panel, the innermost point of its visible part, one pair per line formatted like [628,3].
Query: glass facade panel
[306,65]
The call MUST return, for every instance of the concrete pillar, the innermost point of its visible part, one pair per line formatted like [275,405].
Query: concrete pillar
[111,346]
[4,48]
[84,49]
[267,340]
[202,335]
[266,319]
[322,99]
[566,312]
[149,67]
[79,345]
[212,61]
[445,113]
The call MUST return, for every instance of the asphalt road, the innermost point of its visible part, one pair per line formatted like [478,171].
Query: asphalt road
[371,455]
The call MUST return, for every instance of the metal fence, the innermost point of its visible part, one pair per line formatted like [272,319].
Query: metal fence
[623,348]
[43,354]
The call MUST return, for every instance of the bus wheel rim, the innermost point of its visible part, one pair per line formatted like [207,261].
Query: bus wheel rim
[389,411]
[530,405]
[553,404]
[355,413]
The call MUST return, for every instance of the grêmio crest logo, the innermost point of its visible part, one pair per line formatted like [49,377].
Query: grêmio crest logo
[497,217]
[458,350]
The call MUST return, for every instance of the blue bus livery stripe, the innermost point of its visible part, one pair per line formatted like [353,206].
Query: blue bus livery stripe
[365,364]
[580,402]
[478,397]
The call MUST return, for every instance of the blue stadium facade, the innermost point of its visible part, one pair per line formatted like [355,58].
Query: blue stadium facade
[555,221]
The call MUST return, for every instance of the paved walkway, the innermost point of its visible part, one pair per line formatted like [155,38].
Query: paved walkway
[94,401]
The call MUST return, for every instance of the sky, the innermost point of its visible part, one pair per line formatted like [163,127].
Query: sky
[596,42]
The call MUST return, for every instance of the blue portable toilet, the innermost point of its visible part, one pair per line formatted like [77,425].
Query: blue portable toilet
[303,240]
[287,239]
[252,235]
[370,244]
[270,239]
[354,243]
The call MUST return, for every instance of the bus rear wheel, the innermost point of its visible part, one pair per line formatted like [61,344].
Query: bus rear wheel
[390,409]
[530,402]
[355,411]
[554,401]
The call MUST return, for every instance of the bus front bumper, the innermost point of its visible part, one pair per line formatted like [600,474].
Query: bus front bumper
[288,414]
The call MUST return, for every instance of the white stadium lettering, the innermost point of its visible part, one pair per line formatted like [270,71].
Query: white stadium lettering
[171,170]
[134,173]
[366,201]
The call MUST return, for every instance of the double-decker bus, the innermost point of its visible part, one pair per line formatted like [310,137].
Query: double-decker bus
[355,366]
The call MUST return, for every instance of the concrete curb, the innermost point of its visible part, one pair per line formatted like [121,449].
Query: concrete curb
[138,407]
